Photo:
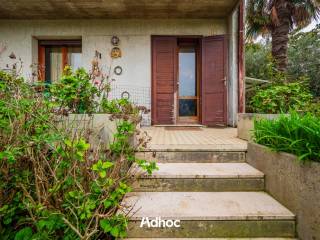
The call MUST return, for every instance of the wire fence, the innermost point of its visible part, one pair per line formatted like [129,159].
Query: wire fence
[137,94]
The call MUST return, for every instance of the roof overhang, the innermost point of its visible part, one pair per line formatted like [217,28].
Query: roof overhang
[75,9]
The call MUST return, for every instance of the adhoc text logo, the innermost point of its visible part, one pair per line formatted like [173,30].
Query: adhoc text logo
[159,223]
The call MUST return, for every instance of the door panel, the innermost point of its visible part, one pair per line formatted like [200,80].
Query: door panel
[164,51]
[214,85]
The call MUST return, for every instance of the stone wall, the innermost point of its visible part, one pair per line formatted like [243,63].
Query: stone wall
[295,185]
[246,123]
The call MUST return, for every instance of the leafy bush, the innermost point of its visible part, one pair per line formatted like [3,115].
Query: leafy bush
[116,106]
[281,98]
[313,108]
[303,57]
[53,184]
[75,92]
[296,134]
[259,62]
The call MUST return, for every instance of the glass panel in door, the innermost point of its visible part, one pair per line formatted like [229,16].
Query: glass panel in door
[187,96]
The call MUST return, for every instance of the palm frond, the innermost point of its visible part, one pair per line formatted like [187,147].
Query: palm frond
[305,11]
[258,18]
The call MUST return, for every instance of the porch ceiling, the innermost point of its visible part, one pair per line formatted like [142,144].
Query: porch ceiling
[73,9]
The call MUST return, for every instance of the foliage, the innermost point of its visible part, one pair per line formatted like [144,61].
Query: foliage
[117,106]
[75,92]
[259,63]
[303,56]
[313,107]
[53,184]
[281,98]
[278,18]
[296,134]
[263,15]
[303,60]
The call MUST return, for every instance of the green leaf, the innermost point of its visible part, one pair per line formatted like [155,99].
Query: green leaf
[102,174]
[68,142]
[107,165]
[105,225]
[107,203]
[95,167]
[24,234]
[115,231]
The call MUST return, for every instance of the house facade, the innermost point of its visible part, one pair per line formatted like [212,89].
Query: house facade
[182,59]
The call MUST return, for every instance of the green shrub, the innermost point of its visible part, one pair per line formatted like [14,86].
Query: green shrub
[313,108]
[116,106]
[75,92]
[281,98]
[297,134]
[53,184]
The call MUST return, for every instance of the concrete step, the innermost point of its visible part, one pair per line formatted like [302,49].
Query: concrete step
[193,156]
[201,177]
[212,239]
[209,214]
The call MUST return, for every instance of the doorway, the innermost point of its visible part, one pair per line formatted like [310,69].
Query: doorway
[189,80]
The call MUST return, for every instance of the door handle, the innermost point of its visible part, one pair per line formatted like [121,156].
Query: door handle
[224,80]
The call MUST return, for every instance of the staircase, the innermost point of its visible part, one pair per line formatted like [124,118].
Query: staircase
[215,195]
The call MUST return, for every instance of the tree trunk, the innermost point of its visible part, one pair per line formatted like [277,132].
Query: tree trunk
[280,34]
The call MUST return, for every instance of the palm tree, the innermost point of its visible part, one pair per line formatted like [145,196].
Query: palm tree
[278,18]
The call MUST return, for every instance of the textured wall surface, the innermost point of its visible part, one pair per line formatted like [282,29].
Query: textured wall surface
[293,184]
[21,37]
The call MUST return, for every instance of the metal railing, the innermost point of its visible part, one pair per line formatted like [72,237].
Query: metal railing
[251,83]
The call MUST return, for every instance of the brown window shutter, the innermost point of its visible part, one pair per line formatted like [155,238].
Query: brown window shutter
[164,61]
[214,80]
[41,63]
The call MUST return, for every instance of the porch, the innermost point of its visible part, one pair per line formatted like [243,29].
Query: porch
[199,138]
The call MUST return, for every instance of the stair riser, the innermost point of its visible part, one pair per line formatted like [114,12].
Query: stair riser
[198,185]
[193,157]
[202,229]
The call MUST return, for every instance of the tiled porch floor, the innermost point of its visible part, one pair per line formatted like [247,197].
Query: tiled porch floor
[195,139]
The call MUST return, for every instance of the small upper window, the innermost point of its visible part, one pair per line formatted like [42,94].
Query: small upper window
[54,55]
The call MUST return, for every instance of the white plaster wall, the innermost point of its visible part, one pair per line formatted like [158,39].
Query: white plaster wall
[20,37]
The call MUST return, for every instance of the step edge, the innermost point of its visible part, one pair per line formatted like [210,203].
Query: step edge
[202,177]
[240,150]
[223,218]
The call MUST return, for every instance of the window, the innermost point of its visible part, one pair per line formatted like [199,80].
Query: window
[54,55]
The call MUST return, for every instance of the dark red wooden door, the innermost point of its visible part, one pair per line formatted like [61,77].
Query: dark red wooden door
[164,61]
[214,81]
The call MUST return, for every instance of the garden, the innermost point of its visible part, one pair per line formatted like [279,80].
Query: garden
[55,182]
[282,122]
[287,104]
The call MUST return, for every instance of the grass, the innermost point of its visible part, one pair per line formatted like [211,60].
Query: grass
[294,133]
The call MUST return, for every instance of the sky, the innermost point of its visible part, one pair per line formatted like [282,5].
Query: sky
[311,26]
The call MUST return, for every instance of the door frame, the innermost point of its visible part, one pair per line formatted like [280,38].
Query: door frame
[199,77]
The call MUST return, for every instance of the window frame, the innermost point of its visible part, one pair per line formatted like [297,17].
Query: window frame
[44,47]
